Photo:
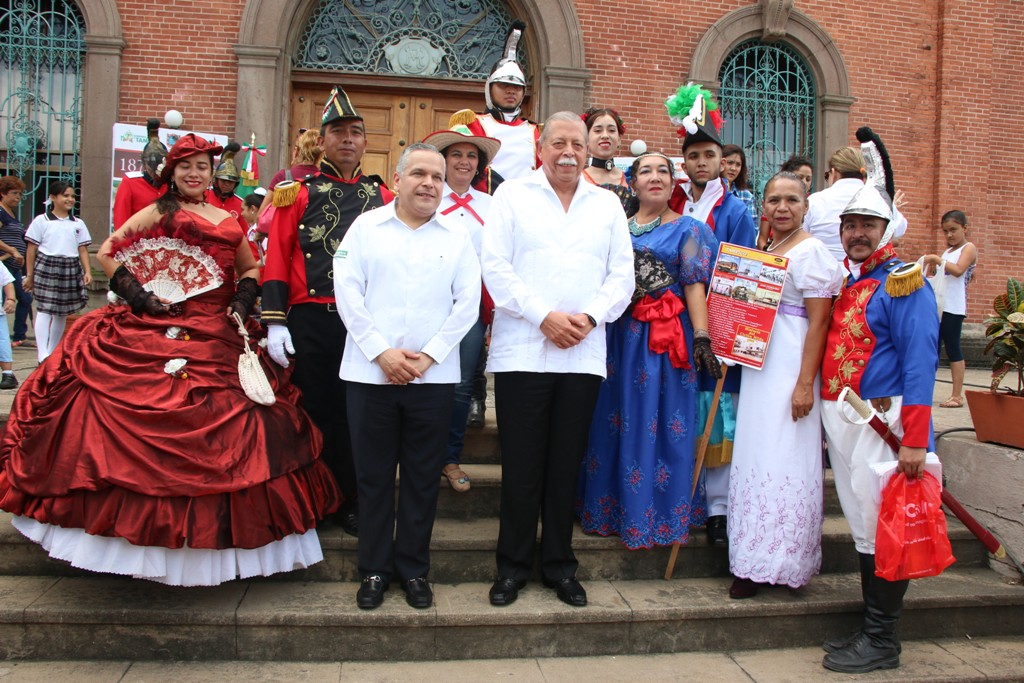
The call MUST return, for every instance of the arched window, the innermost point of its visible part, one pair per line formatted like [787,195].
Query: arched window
[42,46]
[412,38]
[768,103]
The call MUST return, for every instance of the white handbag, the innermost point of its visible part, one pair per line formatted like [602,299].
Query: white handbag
[250,373]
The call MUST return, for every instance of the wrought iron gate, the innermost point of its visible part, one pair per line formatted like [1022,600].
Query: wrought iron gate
[42,46]
[768,103]
[421,38]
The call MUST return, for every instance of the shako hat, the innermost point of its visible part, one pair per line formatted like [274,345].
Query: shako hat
[695,111]
[338,107]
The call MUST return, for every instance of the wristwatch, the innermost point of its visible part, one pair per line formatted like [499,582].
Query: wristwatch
[591,319]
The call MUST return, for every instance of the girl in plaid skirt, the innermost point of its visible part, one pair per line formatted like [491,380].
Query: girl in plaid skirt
[56,266]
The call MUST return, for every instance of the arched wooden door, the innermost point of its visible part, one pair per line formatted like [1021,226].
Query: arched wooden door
[394,118]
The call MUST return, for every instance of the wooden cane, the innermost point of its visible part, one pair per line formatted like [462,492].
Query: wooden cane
[698,464]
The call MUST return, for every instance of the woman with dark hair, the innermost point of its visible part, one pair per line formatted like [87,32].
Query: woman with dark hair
[775,487]
[466,158]
[734,170]
[604,133]
[637,475]
[57,268]
[802,167]
[172,472]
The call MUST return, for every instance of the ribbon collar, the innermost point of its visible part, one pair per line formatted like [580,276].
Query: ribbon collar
[462,203]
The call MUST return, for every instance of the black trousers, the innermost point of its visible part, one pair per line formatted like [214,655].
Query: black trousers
[396,427]
[543,423]
[319,338]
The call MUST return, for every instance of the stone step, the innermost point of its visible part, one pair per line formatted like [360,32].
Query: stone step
[946,660]
[484,498]
[463,550]
[116,618]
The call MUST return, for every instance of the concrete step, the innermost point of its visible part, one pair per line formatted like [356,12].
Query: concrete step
[484,498]
[463,550]
[941,660]
[115,618]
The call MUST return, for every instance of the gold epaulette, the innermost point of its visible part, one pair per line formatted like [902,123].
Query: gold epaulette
[904,280]
[286,192]
[462,117]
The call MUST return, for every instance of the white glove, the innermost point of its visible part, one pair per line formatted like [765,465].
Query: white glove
[279,344]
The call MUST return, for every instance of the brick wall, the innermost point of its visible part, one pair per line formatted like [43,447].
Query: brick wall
[169,64]
[936,80]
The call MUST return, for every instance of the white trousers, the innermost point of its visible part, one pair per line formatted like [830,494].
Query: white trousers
[716,486]
[852,450]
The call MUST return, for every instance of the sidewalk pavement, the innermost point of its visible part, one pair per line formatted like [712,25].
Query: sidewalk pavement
[955,659]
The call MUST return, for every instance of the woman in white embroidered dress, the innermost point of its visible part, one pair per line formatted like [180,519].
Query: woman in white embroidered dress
[775,491]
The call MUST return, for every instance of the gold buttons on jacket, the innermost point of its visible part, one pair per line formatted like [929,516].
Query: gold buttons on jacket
[312,292]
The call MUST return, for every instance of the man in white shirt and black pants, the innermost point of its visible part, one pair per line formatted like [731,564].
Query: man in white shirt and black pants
[407,282]
[558,262]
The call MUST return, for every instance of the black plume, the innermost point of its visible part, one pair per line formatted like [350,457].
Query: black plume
[231,148]
[152,125]
[865,134]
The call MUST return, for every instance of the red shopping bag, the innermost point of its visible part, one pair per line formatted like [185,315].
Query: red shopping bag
[911,540]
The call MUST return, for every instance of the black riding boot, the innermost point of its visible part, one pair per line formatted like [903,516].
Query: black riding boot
[876,646]
[867,572]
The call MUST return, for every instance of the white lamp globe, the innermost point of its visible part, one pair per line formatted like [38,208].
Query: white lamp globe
[173,118]
[637,147]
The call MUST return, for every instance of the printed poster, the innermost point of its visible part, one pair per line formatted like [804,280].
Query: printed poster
[743,300]
[128,142]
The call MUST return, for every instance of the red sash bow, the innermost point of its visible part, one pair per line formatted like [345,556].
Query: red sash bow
[462,202]
[666,333]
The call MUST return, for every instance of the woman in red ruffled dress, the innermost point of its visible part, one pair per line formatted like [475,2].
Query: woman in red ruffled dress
[134,449]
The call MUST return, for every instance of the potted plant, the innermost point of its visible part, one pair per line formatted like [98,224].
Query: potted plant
[998,414]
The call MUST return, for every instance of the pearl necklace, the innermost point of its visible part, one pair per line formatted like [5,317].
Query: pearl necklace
[775,245]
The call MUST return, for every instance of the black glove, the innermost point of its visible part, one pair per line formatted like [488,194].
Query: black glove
[124,284]
[244,300]
[704,358]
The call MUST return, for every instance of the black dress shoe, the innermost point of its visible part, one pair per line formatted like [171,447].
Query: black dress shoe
[718,534]
[418,593]
[569,591]
[349,522]
[476,413]
[505,591]
[371,592]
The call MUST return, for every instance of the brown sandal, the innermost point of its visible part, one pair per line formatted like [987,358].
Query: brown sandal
[457,478]
[953,402]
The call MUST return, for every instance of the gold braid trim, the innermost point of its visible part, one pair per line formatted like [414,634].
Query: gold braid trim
[285,194]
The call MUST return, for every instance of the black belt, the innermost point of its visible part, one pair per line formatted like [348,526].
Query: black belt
[331,307]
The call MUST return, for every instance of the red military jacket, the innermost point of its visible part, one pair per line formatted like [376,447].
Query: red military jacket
[305,235]
[133,195]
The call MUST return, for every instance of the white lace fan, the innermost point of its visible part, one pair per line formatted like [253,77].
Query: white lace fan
[171,268]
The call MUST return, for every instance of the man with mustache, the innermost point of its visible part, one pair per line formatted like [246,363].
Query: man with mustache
[882,343]
[407,282]
[299,309]
[558,262]
[705,196]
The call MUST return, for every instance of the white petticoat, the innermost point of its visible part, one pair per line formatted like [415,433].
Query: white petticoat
[171,566]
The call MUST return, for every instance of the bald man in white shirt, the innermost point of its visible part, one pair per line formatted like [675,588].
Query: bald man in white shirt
[407,282]
[558,262]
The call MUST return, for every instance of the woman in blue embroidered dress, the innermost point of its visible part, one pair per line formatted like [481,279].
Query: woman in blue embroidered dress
[637,476]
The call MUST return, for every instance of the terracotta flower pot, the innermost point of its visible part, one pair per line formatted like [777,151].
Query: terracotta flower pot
[998,418]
